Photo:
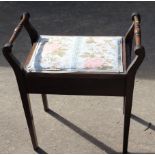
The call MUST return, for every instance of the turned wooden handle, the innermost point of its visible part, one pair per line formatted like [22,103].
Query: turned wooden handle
[137,29]
[19,27]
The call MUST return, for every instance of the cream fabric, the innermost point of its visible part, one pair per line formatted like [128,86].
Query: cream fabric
[77,53]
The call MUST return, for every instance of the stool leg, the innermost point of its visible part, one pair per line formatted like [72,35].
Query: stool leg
[29,118]
[124,103]
[45,102]
[127,115]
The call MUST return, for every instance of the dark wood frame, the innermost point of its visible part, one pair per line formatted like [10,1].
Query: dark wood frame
[77,83]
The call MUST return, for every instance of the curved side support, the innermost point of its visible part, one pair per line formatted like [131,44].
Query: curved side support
[7,49]
[13,61]
[140,54]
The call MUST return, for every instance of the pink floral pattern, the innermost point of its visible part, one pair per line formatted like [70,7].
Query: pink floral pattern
[92,63]
[77,53]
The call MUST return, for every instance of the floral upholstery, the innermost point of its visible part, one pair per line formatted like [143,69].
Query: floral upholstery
[77,53]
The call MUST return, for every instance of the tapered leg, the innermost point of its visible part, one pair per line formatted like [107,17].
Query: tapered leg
[45,102]
[127,115]
[29,118]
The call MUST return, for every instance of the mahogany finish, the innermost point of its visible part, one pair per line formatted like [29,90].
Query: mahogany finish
[77,83]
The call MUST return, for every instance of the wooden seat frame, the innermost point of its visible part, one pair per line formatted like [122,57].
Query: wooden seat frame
[77,83]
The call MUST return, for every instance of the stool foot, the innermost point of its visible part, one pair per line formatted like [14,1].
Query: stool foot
[125,151]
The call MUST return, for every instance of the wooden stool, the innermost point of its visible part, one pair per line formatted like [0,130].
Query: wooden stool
[77,65]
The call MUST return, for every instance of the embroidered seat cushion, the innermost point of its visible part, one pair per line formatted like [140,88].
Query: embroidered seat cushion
[77,53]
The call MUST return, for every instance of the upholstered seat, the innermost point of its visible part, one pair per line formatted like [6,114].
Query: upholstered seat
[76,53]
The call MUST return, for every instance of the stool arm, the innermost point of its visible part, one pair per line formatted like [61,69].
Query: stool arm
[30,29]
[135,31]
[7,49]
[18,29]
